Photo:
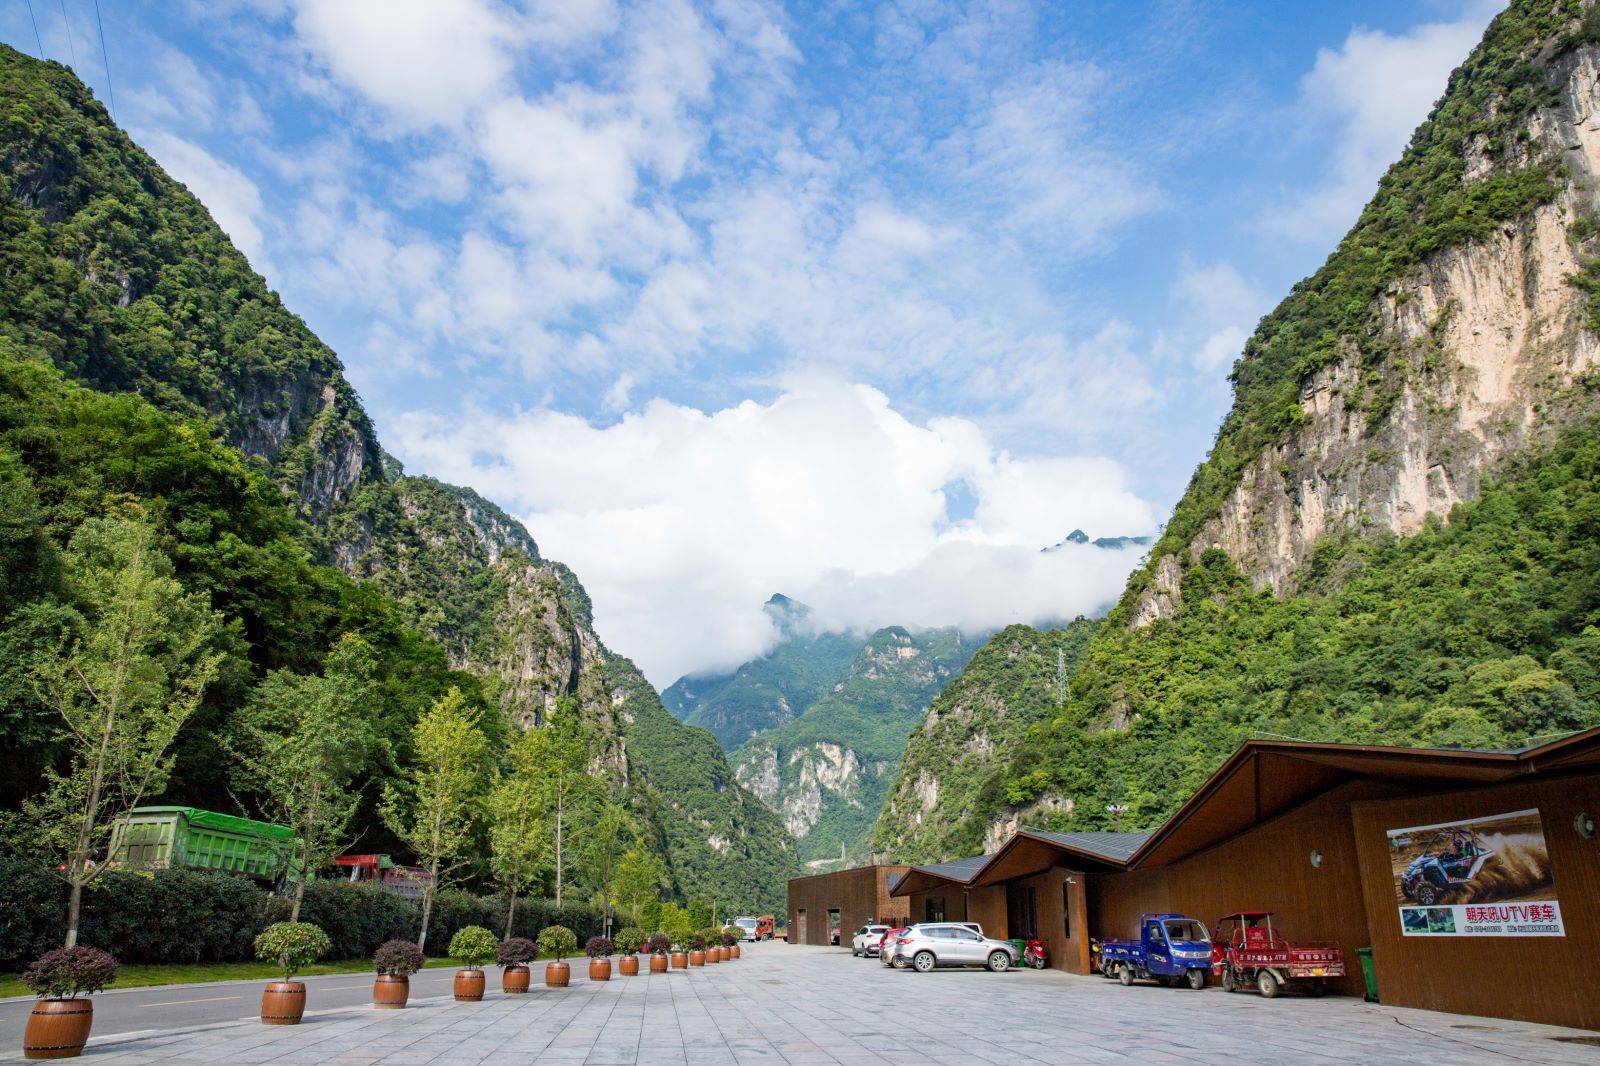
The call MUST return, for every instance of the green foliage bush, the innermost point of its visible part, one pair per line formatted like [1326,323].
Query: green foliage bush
[629,939]
[473,945]
[182,915]
[557,941]
[731,935]
[291,946]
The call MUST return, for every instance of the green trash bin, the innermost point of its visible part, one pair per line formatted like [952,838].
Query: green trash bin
[1369,972]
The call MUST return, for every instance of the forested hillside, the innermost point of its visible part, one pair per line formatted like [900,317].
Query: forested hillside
[1394,537]
[222,426]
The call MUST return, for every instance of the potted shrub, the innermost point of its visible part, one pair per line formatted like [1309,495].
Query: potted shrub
[513,957]
[599,949]
[628,941]
[396,961]
[63,979]
[559,941]
[713,939]
[474,946]
[680,950]
[659,944]
[731,935]
[697,950]
[292,946]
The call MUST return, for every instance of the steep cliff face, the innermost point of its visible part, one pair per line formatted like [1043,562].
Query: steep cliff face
[115,273]
[1389,540]
[1462,352]
[827,771]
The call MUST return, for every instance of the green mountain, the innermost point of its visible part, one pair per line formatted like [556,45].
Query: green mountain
[149,367]
[827,769]
[1394,536]
[766,692]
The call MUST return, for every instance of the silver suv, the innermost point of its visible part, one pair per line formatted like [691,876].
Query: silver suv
[933,944]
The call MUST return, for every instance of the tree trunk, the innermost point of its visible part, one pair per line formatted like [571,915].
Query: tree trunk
[428,893]
[511,911]
[299,897]
[558,849]
[74,904]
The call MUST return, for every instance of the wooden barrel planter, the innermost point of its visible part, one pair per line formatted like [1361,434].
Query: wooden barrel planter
[629,965]
[733,951]
[599,969]
[57,1028]
[697,958]
[515,979]
[680,959]
[557,974]
[390,991]
[469,986]
[283,1003]
[658,964]
[713,955]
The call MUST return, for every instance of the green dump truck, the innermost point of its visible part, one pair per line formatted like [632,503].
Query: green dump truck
[160,837]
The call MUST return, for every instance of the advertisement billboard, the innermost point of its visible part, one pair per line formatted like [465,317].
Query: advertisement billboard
[1486,876]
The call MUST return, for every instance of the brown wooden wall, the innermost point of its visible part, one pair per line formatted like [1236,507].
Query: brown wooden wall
[1540,979]
[861,897]
[1266,868]
[1069,953]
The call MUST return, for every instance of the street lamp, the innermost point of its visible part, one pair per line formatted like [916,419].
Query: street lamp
[1116,810]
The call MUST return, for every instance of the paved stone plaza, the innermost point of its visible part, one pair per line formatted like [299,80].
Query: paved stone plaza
[803,1006]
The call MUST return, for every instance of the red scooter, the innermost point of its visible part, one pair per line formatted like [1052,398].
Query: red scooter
[1034,954]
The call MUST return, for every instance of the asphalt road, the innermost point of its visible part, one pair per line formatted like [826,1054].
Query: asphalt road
[182,1006]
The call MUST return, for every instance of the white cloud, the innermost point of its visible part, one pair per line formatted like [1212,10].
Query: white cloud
[1217,306]
[426,63]
[1367,97]
[232,198]
[682,522]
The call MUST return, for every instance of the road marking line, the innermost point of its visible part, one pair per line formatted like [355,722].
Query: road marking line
[184,1002]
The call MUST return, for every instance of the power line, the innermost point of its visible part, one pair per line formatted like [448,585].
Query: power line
[66,24]
[111,94]
[36,38]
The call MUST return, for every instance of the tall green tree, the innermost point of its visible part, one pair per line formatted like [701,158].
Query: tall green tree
[566,789]
[434,810]
[610,833]
[518,836]
[124,682]
[301,743]
[639,878]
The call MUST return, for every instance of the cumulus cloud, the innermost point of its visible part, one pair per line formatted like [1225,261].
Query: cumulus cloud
[1368,96]
[682,522]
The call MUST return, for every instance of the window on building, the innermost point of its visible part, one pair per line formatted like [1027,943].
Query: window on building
[1066,908]
[933,909]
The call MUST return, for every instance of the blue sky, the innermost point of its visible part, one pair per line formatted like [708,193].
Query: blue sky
[860,302]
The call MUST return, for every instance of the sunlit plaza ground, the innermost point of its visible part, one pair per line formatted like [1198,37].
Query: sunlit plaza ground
[805,1005]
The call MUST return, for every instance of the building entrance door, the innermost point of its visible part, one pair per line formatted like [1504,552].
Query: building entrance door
[1022,911]
[800,926]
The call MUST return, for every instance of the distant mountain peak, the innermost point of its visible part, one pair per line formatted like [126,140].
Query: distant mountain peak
[1078,536]
[786,613]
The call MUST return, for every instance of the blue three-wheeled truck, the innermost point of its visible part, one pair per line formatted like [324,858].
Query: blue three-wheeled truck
[1172,948]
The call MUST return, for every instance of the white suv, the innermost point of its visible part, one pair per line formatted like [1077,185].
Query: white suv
[934,944]
[867,940]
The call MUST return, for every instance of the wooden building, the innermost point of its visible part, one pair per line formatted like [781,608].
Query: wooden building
[1324,835]
[837,904]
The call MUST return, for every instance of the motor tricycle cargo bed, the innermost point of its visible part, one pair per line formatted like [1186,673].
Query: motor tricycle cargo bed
[1249,950]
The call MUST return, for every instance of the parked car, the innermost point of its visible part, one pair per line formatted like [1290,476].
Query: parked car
[1172,949]
[929,945]
[886,950]
[750,926]
[868,940]
[1249,950]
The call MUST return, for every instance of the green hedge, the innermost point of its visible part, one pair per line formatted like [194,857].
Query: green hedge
[197,916]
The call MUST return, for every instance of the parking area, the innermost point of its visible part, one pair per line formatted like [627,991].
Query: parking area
[784,1004]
